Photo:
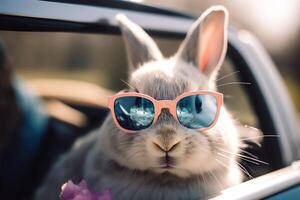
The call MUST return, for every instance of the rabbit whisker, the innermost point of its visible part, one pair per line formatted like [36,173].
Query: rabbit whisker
[245,157]
[248,153]
[263,136]
[234,83]
[228,75]
[239,165]
[128,84]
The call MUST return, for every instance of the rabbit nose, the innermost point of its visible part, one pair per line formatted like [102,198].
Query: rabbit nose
[166,148]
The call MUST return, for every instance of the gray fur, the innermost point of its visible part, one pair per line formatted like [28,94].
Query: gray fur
[130,164]
[208,27]
[139,46]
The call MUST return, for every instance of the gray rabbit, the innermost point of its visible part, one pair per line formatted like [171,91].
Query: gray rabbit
[128,164]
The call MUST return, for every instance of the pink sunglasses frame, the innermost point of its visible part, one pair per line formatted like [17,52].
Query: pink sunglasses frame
[160,104]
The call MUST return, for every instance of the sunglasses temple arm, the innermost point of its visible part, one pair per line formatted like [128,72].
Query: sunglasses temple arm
[109,100]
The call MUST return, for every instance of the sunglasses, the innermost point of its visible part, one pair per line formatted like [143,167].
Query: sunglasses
[134,111]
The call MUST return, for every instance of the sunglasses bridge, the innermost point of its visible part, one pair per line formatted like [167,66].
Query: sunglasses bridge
[166,104]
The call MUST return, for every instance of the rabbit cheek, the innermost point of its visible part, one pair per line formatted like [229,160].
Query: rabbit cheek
[197,154]
[209,151]
[136,153]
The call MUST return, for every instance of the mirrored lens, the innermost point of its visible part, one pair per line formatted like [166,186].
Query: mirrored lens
[134,113]
[197,111]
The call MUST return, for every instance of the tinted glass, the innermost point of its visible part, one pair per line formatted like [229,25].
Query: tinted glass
[134,113]
[197,111]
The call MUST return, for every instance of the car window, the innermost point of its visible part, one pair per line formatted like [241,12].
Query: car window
[101,59]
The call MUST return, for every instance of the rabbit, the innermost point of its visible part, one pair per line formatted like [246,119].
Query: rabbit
[109,158]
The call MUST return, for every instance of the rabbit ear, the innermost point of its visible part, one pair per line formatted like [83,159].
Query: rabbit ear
[206,42]
[140,46]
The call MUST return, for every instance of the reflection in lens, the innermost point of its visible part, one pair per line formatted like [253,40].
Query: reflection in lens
[197,111]
[134,113]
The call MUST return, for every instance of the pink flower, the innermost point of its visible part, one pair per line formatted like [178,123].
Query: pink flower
[71,191]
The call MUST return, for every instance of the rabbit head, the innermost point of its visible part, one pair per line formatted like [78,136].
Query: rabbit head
[167,147]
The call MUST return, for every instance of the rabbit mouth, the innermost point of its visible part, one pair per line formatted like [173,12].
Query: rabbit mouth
[171,170]
[167,166]
[167,162]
